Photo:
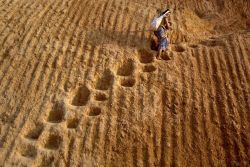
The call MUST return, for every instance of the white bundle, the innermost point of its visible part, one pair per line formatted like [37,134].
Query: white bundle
[157,22]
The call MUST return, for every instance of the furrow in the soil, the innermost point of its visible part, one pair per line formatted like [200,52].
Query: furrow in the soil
[156,127]
[97,142]
[73,45]
[222,115]
[89,136]
[198,113]
[22,123]
[150,115]
[166,129]
[10,14]
[146,155]
[91,57]
[59,50]
[28,64]
[132,117]
[57,57]
[119,139]
[73,49]
[11,54]
[194,114]
[242,75]
[137,149]
[126,110]
[18,28]
[38,47]
[108,121]
[128,120]
[112,124]
[143,30]
[173,34]
[130,29]
[185,135]
[31,36]
[88,143]
[30,75]
[109,17]
[238,122]
[70,152]
[83,148]
[94,57]
[243,53]
[181,113]
[117,28]
[96,135]
[175,115]
[237,114]
[66,39]
[205,125]
[96,25]
[244,56]
[121,125]
[134,156]
[218,139]
[94,52]
[21,99]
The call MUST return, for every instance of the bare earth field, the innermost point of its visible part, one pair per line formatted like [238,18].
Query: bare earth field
[80,86]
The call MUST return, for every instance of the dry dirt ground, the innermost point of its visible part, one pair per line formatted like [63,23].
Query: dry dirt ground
[79,85]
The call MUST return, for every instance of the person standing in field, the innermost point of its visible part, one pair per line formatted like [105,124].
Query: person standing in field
[161,25]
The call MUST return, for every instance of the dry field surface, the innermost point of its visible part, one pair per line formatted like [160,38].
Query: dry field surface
[80,86]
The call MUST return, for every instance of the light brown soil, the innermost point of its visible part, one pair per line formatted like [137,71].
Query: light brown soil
[79,85]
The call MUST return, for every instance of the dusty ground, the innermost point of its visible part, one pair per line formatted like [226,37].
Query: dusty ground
[79,85]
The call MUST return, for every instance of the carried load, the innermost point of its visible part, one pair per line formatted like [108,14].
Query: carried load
[156,22]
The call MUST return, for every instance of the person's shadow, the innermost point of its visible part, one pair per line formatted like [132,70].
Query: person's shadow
[138,39]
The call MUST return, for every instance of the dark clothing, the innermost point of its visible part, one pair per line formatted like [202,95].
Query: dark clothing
[161,32]
[161,35]
[163,44]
